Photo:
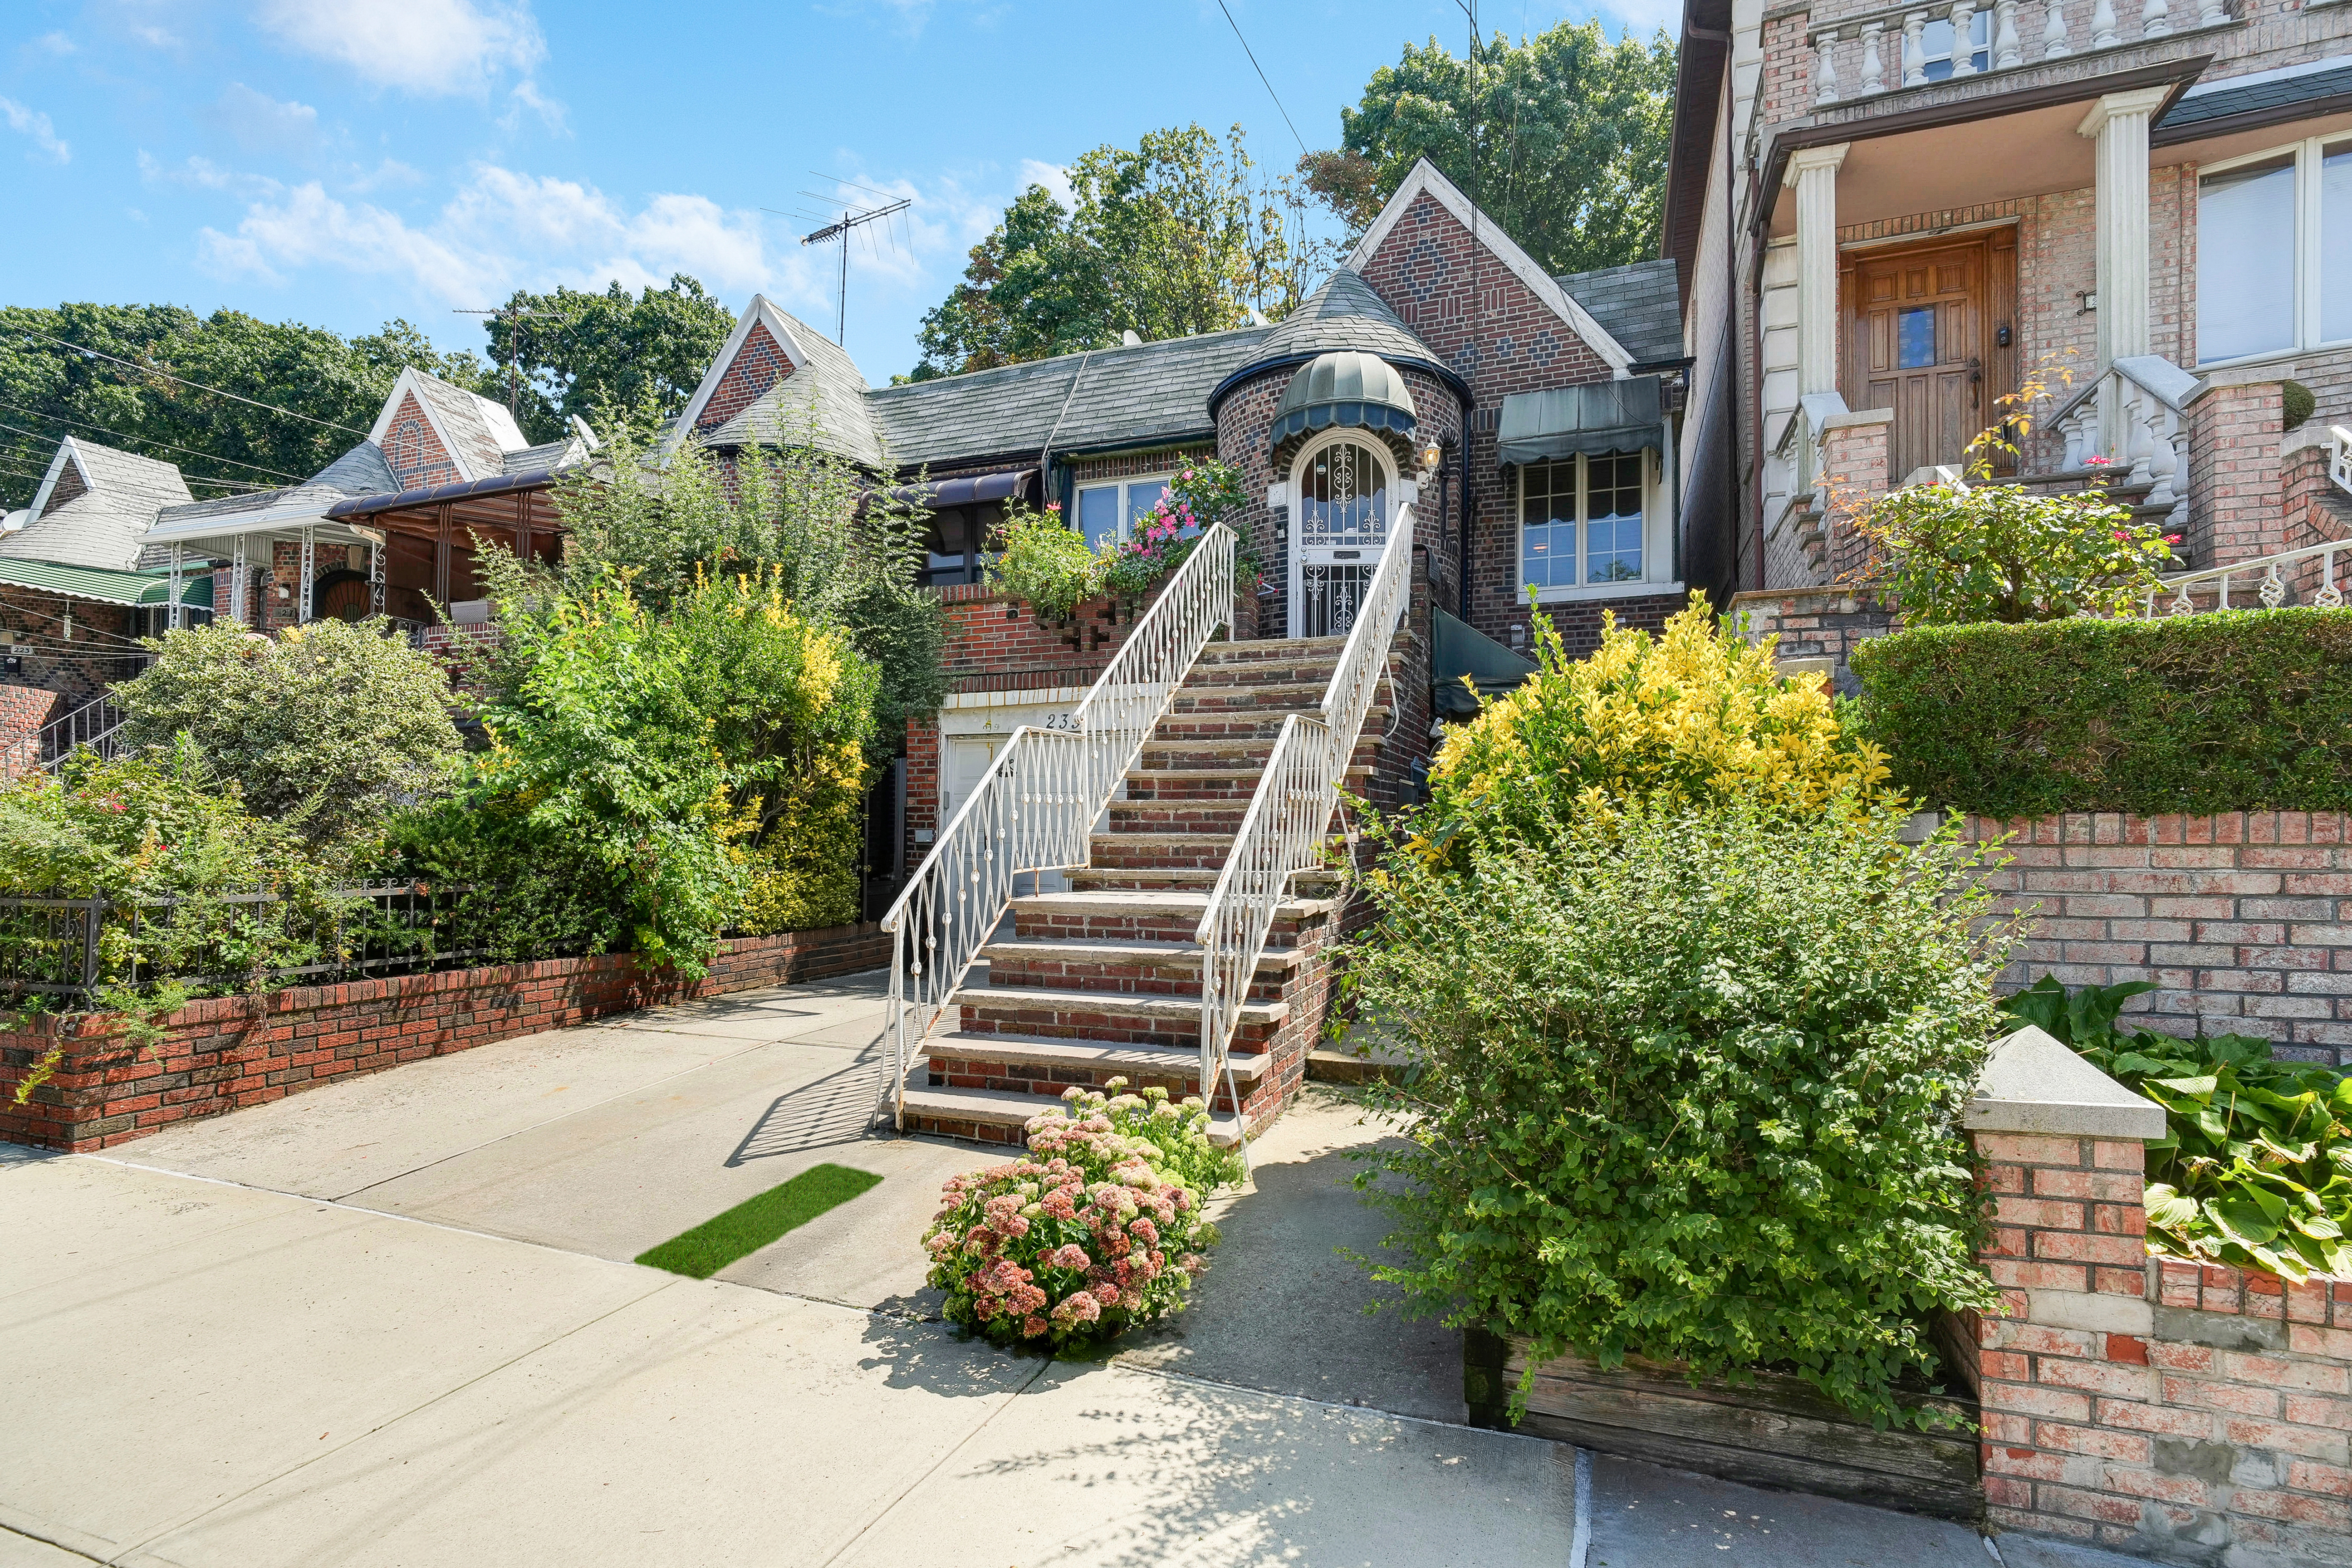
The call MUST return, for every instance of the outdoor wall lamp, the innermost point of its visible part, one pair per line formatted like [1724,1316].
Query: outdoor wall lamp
[1430,455]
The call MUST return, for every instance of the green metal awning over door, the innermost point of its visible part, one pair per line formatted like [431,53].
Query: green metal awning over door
[104,586]
[1625,416]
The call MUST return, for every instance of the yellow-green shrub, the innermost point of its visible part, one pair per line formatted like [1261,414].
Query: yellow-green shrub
[1694,716]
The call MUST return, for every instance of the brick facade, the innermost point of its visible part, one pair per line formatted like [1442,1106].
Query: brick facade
[102,648]
[1816,624]
[227,1053]
[759,365]
[415,451]
[2194,1413]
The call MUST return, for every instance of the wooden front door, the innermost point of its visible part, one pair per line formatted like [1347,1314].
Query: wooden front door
[1929,330]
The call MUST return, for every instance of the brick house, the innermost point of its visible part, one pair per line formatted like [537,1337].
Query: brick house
[1438,327]
[112,539]
[1888,218]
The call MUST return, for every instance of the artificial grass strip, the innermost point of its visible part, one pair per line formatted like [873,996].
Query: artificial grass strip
[753,1224]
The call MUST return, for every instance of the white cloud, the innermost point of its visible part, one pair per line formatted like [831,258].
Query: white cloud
[1053,176]
[32,122]
[260,124]
[432,47]
[306,227]
[525,95]
[202,173]
[54,44]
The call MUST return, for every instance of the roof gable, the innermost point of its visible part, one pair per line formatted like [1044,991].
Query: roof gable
[763,317]
[94,504]
[1425,180]
[474,433]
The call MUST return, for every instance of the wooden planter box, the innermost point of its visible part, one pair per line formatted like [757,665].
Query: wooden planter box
[1775,1432]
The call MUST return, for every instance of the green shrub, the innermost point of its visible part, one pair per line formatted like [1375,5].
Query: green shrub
[327,728]
[2000,553]
[2236,710]
[2255,1165]
[1044,562]
[672,773]
[1687,1086]
[2297,403]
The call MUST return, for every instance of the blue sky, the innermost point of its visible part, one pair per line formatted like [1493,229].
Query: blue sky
[343,162]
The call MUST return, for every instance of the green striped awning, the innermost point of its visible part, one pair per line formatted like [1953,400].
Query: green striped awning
[103,586]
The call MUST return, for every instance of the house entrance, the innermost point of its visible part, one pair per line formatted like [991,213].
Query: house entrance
[1930,332]
[1339,531]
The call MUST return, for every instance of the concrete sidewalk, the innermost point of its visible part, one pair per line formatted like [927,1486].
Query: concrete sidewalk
[393,1321]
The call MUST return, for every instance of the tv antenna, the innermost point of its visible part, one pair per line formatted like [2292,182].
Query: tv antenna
[851,218]
[514,350]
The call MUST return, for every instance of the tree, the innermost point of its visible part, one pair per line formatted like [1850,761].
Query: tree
[48,391]
[1169,239]
[581,354]
[1564,142]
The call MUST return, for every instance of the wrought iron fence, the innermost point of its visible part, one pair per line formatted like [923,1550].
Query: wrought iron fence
[252,939]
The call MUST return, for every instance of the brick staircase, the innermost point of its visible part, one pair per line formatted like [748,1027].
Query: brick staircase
[1104,981]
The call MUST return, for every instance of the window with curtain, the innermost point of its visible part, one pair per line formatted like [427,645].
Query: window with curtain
[1107,512]
[2274,252]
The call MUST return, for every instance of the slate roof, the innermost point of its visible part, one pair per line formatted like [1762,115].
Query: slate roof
[982,412]
[481,431]
[2228,98]
[531,460]
[1344,313]
[1155,391]
[825,386]
[101,526]
[310,493]
[1639,305]
[361,471]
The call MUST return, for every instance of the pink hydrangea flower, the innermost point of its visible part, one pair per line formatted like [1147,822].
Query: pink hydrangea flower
[1033,1325]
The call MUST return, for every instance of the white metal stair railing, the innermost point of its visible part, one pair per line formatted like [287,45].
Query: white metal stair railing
[2130,418]
[2272,582]
[1283,831]
[1034,808]
[2339,457]
[97,723]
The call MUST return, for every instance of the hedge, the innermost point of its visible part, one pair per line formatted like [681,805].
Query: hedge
[2236,710]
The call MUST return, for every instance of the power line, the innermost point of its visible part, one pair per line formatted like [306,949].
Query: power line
[1236,26]
[200,387]
[201,478]
[150,440]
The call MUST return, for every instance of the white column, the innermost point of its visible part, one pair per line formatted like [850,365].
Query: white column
[2119,122]
[238,584]
[172,619]
[309,571]
[1812,172]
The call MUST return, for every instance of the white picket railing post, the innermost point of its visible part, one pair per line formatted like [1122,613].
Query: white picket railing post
[1034,808]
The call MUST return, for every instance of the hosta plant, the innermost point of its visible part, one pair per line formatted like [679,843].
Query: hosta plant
[1098,1228]
[2255,1165]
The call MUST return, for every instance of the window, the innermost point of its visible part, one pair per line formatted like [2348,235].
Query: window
[958,537]
[1343,496]
[1936,45]
[2274,252]
[1581,520]
[1107,512]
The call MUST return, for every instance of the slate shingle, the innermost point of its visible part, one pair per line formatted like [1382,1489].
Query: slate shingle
[1637,304]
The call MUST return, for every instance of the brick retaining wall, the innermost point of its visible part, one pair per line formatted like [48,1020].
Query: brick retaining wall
[223,1053]
[2195,1413]
[2243,920]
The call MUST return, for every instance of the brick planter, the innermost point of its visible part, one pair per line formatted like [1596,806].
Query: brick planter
[224,1053]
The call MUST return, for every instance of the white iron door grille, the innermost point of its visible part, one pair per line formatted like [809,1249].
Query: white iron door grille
[1339,529]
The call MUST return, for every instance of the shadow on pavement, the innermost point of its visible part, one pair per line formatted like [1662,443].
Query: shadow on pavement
[841,1107]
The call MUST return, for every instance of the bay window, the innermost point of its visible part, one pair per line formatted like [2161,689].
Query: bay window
[2274,252]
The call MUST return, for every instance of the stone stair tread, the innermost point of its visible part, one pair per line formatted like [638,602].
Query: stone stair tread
[1116,947]
[1008,1110]
[1036,1050]
[1151,901]
[1148,775]
[1149,1003]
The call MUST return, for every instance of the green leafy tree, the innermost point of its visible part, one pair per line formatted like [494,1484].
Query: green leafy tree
[803,518]
[1949,555]
[576,353]
[326,729]
[48,390]
[1563,140]
[1171,238]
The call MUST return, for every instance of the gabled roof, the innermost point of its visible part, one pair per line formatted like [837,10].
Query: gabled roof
[824,391]
[1425,180]
[120,494]
[1639,303]
[475,432]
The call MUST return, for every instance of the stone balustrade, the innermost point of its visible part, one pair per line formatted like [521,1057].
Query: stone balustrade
[1868,53]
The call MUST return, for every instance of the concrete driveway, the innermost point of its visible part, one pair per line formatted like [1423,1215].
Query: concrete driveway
[393,1322]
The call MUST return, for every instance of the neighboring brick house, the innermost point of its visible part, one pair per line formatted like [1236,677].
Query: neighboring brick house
[94,564]
[1436,328]
[1880,234]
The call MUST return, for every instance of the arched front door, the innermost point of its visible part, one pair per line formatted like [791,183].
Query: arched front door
[1339,527]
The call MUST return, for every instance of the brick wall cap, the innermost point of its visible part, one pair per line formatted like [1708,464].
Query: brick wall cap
[1859,416]
[2031,1083]
[2241,375]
